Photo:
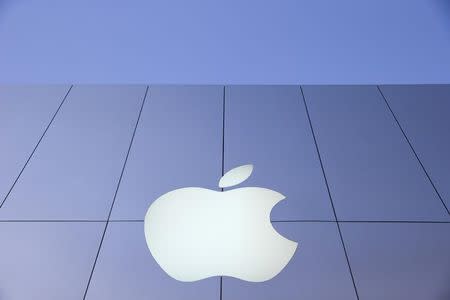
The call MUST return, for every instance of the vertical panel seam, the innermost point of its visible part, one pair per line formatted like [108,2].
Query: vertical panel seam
[412,149]
[223,165]
[36,146]
[116,191]
[329,193]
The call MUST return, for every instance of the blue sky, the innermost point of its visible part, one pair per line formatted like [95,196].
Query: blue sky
[143,41]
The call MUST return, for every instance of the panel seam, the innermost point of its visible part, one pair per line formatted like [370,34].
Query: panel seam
[329,193]
[273,221]
[115,193]
[412,149]
[223,167]
[36,146]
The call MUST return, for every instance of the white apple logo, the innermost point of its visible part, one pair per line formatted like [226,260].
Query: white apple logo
[195,233]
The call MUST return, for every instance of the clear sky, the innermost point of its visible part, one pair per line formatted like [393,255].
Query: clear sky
[233,41]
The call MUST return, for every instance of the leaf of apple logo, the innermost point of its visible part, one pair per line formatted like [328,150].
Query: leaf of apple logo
[195,233]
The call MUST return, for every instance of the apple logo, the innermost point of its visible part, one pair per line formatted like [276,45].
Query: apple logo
[194,233]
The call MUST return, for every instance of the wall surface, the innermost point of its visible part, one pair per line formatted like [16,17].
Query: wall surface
[365,172]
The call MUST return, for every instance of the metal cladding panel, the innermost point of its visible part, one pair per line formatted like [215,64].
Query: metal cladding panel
[371,170]
[25,113]
[75,170]
[47,260]
[423,113]
[399,261]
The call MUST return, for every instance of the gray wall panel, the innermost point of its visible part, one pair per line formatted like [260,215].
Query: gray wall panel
[74,172]
[423,111]
[371,170]
[25,112]
[178,144]
[46,260]
[399,261]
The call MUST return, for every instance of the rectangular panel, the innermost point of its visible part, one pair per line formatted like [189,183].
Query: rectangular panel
[371,170]
[318,269]
[423,112]
[126,270]
[42,260]
[267,126]
[399,261]
[75,170]
[25,112]
[178,144]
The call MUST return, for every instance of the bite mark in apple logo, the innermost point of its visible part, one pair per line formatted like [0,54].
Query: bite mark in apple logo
[195,233]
